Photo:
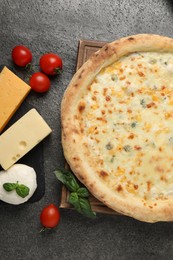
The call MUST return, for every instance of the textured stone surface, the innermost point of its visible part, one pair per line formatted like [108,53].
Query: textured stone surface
[57,26]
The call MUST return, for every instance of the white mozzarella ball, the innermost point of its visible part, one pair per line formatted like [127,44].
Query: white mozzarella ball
[22,174]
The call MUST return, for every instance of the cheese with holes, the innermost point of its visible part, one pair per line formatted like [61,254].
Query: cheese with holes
[13,91]
[21,137]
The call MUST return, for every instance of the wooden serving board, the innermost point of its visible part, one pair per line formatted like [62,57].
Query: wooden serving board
[85,49]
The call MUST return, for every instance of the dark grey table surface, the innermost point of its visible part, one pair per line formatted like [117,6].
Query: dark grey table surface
[57,26]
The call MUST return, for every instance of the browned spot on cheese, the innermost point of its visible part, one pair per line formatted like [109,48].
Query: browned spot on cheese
[128,82]
[145,198]
[152,104]
[122,102]
[122,78]
[103,174]
[163,178]
[119,188]
[160,149]
[97,140]
[89,88]
[129,110]
[82,130]
[108,98]
[102,119]
[139,162]
[76,85]
[131,136]
[103,112]
[139,65]
[137,147]
[135,186]
[148,185]
[159,169]
[104,91]
[94,98]
[81,107]
[100,161]
[141,74]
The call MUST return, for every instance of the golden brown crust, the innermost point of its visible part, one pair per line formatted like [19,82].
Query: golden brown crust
[76,152]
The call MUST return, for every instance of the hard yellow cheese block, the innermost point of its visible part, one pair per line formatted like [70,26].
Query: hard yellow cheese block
[21,137]
[13,91]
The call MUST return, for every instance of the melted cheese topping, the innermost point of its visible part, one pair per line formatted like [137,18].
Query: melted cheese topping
[127,122]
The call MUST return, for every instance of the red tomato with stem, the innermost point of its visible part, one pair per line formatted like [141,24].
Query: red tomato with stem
[39,82]
[21,55]
[51,63]
[50,216]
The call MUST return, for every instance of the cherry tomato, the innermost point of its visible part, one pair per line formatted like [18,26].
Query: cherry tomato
[39,82]
[51,64]
[21,55]
[50,216]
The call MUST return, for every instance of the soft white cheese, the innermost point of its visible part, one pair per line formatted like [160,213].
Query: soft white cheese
[24,175]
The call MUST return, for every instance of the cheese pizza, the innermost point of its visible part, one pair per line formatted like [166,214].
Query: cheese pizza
[117,126]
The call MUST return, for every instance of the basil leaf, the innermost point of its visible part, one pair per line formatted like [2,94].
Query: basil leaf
[22,190]
[10,186]
[81,205]
[86,208]
[60,176]
[78,196]
[68,179]
[74,200]
[83,192]
[72,185]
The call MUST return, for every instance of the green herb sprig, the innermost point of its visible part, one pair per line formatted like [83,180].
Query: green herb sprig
[21,189]
[78,194]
